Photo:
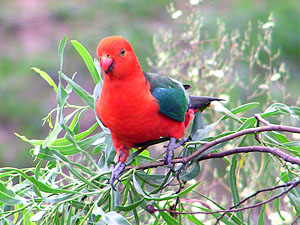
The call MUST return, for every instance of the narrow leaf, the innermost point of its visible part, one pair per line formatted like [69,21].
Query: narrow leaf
[85,96]
[61,47]
[9,197]
[96,94]
[130,207]
[193,173]
[249,123]
[116,219]
[46,77]
[62,96]
[219,107]
[233,186]
[245,107]
[87,59]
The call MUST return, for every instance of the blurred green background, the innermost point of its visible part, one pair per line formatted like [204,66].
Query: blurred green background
[30,31]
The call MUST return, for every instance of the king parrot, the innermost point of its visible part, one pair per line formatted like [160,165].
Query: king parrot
[138,107]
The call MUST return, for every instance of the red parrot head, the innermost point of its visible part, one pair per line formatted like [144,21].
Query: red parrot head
[116,56]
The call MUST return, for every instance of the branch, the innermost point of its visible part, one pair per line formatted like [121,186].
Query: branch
[274,151]
[215,142]
[151,209]
[238,134]
[295,220]
[254,194]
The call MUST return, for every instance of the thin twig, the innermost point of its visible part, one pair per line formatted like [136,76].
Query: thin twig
[260,119]
[151,209]
[253,195]
[215,142]
[274,151]
[296,220]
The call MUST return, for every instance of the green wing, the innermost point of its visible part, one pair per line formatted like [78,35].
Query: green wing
[171,96]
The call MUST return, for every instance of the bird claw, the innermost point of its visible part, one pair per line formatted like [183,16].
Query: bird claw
[170,151]
[116,173]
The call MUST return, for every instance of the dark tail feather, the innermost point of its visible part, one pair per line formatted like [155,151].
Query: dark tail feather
[202,102]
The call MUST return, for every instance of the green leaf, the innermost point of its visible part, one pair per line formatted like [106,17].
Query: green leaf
[36,217]
[169,196]
[79,176]
[96,94]
[97,65]
[277,204]
[202,133]
[295,110]
[33,142]
[293,145]
[167,217]
[280,137]
[116,219]
[111,218]
[194,220]
[139,188]
[74,121]
[9,197]
[62,96]
[108,154]
[276,112]
[46,188]
[61,47]
[249,123]
[77,125]
[261,219]
[233,186]
[52,136]
[54,199]
[162,183]
[193,173]
[85,96]
[283,108]
[245,107]
[83,168]
[46,77]
[99,148]
[45,154]
[87,59]
[77,137]
[71,149]
[36,175]
[219,107]
[42,186]
[130,207]
[197,123]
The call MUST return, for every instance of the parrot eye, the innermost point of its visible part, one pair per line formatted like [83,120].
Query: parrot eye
[122,52]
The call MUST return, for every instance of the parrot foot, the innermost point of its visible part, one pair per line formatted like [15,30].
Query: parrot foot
[170,151]
[116,173]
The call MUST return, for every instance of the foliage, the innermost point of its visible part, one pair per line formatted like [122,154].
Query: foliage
[69,184]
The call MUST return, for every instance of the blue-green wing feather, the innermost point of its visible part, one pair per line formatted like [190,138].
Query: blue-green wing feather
[171,96]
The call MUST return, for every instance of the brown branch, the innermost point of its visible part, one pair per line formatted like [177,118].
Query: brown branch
[239,134]
[254,194]
[274,151]
[296,220]
[215,142]
[260,119]
[151,209]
